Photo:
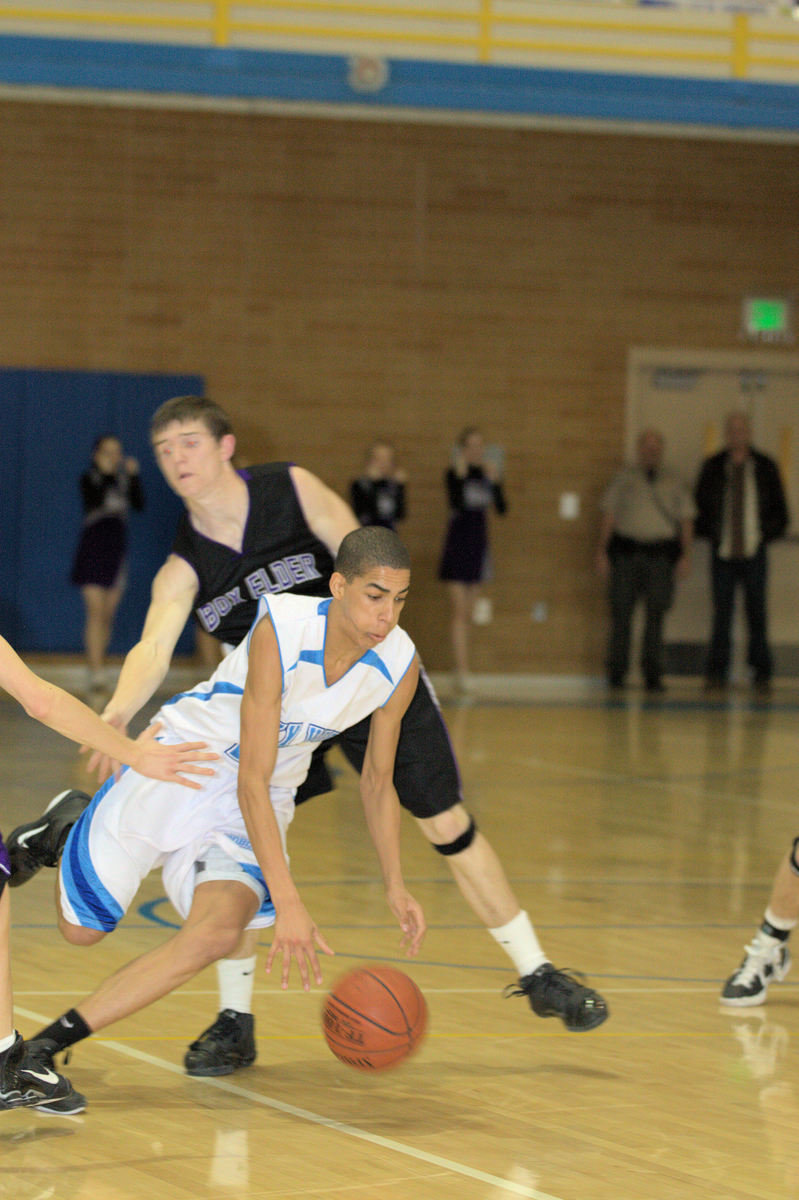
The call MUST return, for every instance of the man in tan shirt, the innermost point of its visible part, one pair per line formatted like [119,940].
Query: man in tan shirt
[645,541]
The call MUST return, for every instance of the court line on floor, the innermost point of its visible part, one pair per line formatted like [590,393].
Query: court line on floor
[278,993]
[313,1118]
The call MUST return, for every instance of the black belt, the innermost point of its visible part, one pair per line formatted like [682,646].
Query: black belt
[664,547]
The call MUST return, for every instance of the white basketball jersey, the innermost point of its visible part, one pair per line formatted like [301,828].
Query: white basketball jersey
[311,711]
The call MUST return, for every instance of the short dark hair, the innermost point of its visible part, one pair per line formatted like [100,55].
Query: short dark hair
[370,546]
[192,408]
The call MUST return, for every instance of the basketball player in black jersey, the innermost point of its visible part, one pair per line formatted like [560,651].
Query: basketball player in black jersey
[277,528]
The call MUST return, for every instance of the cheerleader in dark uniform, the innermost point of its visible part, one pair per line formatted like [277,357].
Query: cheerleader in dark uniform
[109,489]
[378,496]
[473,487]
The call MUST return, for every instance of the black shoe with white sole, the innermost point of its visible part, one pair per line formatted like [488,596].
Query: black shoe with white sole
[28,1080]
[39,843]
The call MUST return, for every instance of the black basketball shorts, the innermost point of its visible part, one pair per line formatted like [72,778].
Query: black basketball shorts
[425,773]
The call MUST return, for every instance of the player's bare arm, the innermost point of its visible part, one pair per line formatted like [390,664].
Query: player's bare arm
[145,666]
[326,514]
[296,937]
[144,669]
[67,715]
[382,808]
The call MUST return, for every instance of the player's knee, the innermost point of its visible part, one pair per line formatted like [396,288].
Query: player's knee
[77,935]
[450,832]
[207,942]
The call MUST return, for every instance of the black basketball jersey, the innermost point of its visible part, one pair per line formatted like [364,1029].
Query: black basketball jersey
[279,554]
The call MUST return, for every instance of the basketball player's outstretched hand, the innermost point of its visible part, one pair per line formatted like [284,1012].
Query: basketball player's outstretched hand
[411,918]
[171,763]
[297,939]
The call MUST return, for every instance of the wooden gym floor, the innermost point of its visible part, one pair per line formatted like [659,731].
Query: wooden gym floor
[641,836]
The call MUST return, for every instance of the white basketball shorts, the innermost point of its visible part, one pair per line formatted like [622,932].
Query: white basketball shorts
[135,825]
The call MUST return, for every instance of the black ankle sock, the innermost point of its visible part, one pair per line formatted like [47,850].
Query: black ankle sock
[772,931]
[66,1030]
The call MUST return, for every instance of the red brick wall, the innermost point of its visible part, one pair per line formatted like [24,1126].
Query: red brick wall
[335,281]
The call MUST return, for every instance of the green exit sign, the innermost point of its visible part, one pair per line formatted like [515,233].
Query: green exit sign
[767,319]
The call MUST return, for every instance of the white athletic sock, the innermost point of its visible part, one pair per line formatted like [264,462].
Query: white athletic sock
[7,1042]
[519,942]
[236,981]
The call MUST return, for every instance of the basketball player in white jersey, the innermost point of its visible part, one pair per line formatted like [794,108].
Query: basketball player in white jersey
[308,669]
[263,531]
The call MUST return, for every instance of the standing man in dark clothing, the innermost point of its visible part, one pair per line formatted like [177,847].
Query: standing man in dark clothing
[645,541]
[741,508]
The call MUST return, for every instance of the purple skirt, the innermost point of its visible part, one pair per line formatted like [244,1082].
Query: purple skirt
[465,555]
[100,557]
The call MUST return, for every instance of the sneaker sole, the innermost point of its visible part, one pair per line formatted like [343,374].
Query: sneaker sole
[212,1072]
[69,1106]
[65,1106]
[598,1020]
[744,1001]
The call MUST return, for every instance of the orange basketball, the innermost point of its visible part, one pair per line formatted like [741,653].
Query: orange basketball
[373,1017]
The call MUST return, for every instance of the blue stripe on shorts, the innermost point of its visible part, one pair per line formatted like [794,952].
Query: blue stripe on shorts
[267,908]
[94,905]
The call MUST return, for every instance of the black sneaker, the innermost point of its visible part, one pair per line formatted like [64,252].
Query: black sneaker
[39,843]
[27,1080]
[554,993]
[43,1052]
[224,1046]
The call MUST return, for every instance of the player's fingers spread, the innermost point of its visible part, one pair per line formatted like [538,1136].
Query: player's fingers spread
[321,943]
[416,931]
[410,945]
[315,967]
[106,769]
[285,968]
[413,946]
[302,967]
